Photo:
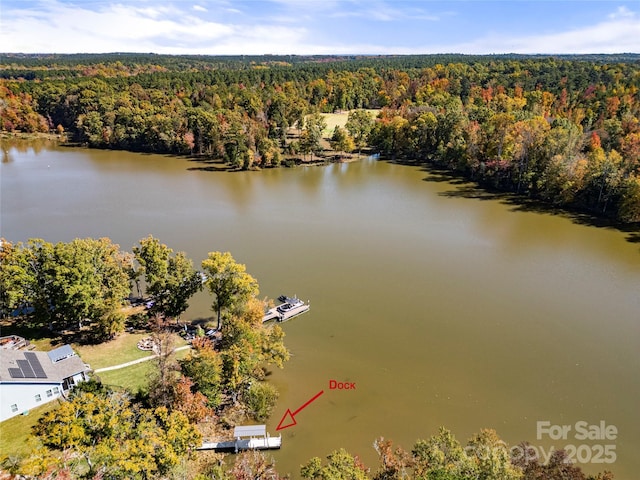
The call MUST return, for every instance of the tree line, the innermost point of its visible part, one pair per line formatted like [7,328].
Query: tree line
[561,129]
[85,284]
[138,448]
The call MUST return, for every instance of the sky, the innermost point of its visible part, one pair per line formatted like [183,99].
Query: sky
[319,27]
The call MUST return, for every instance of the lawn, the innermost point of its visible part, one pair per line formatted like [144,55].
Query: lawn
[135,377]
[124,348]
[15,431]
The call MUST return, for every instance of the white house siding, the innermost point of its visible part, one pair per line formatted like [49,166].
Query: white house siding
[17,398]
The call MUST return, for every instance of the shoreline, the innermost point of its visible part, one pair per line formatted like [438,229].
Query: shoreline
[33,136]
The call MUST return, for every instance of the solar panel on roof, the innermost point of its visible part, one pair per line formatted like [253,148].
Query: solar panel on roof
[25,366]
[35,365]
[16,373]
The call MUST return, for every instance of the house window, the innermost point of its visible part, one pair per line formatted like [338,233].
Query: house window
[38,398]
[56,390]
[14,408]
[49,393]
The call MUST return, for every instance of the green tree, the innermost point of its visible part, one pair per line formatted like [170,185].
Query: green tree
[246,347]
[82,282]
[38,256]
[260,398]
[442,457]
[203,366]
[341,465]
[314,126]
[91,128]
[171,279]
[88,280]
[491,457]
[629,210]
[342,141]
[359,125]
[14,277]
[228,281]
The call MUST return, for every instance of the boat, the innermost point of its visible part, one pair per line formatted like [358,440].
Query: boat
[289,308]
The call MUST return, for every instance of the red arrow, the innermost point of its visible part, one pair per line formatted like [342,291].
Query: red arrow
[288,419]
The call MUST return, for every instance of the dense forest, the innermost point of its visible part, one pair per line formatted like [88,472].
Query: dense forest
[561,129]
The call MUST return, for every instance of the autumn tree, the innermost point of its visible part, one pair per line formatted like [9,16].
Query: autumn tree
[558,466]
[203,366]
[341,141]
[115,439]
[164,378]
[253,465]
[395,463]
[247,347]
[229,283]
[190,402]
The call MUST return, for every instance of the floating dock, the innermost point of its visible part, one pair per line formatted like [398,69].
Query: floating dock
[289,308]
[249,437]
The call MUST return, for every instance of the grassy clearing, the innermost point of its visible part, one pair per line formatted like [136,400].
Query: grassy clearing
[338,120]
[334,120]
[15,432]
[122,349]
[135,377]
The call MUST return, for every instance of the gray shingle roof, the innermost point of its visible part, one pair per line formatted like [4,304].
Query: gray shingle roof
[17,366]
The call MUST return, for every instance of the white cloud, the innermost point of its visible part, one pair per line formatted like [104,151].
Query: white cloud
[615,35]
[295,27]
[384,11]
[622,12]
[63,28]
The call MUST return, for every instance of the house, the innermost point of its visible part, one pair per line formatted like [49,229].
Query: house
[31,379]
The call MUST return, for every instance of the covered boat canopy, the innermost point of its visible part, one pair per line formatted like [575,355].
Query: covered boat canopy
[250,431]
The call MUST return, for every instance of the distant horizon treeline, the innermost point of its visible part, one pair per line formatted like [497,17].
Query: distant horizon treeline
[563,129]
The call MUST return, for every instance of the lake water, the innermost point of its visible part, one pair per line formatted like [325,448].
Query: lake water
[443,310]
